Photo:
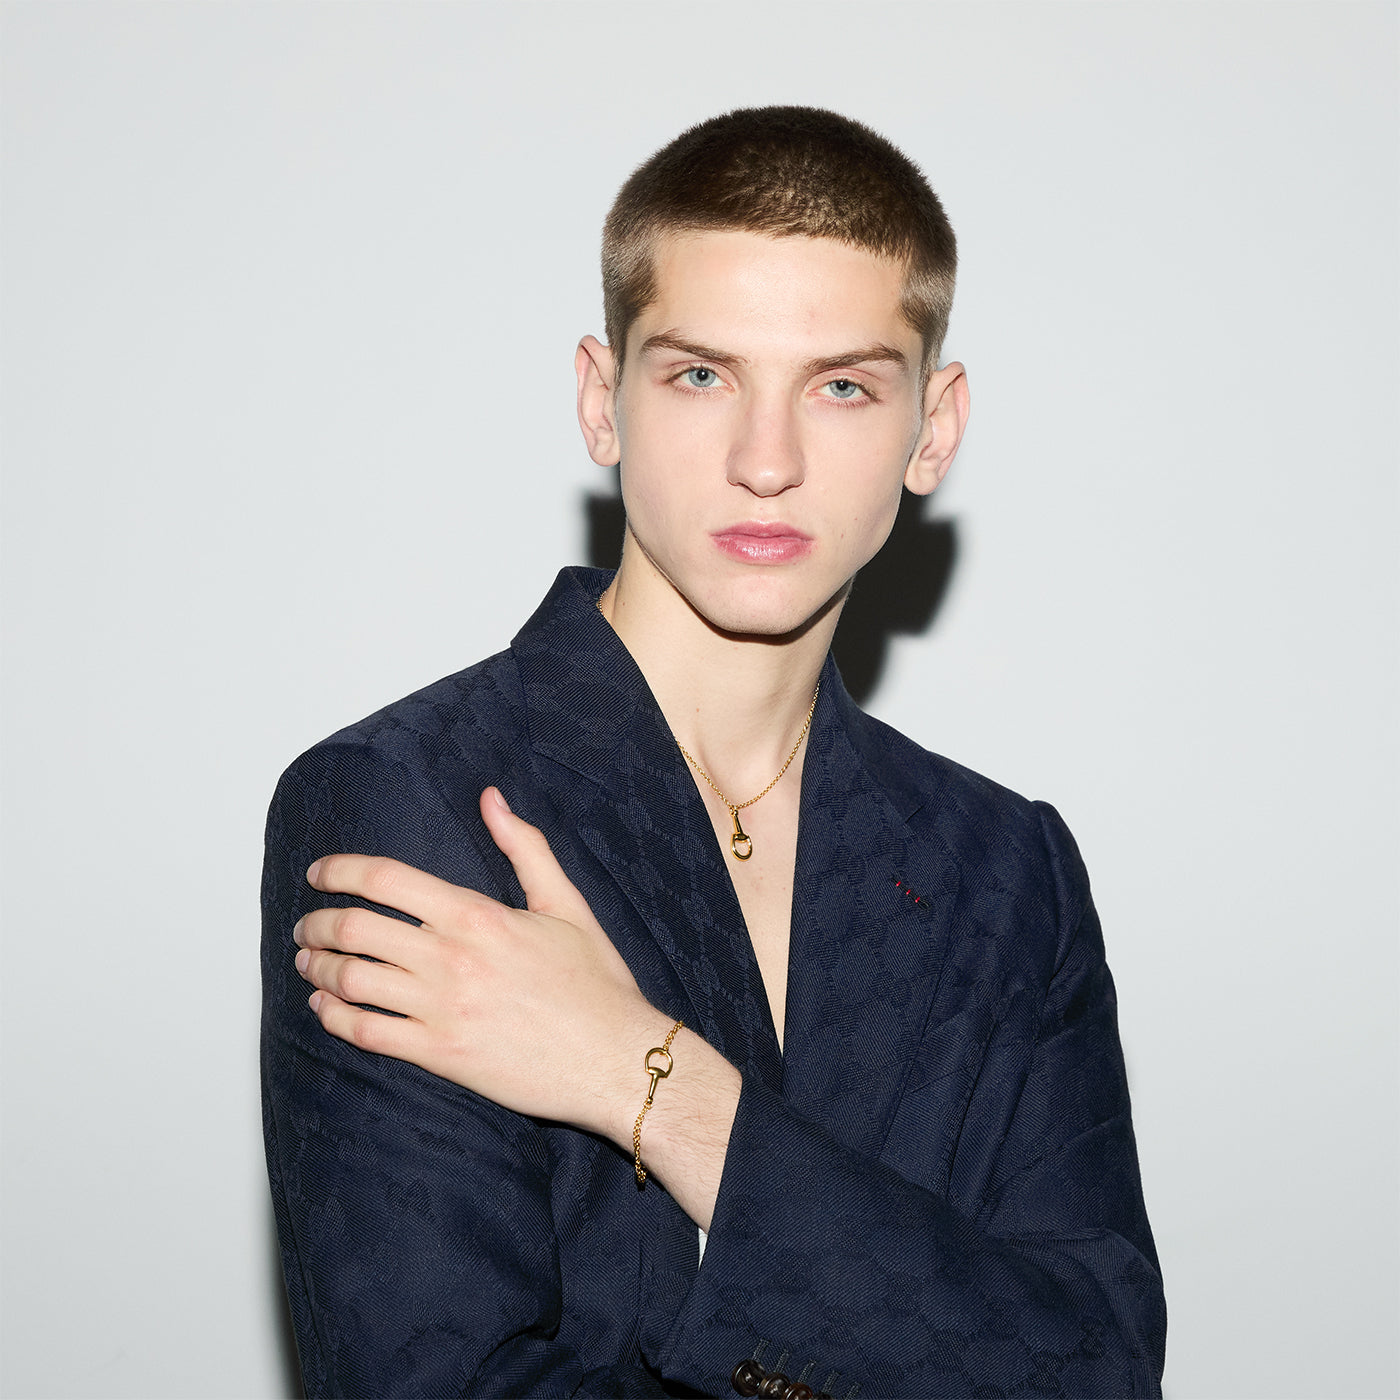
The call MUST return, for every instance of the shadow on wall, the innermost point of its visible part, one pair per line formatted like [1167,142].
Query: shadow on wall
[898,591]
[291,1388]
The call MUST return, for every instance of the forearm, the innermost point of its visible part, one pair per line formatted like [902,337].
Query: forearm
[843,1263]
[821,1251]
[685,1133]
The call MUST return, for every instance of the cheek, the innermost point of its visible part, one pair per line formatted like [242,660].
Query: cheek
[663,456]
[658,484]
[641,431]
[640,498]
[870,526]
[864,483]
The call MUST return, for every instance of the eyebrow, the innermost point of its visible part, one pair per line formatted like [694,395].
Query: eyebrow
[868,354]
[670,340]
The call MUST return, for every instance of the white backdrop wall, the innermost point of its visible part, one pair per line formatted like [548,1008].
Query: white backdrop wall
[290,296]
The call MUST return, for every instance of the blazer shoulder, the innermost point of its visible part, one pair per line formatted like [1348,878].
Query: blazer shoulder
[929,783]
[406,782]
[470,718]
[1020,843]
[430,752]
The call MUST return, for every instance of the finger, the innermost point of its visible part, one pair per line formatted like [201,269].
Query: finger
[355,980]
[547,889]
[388,882]
[359,931]
[381,1035]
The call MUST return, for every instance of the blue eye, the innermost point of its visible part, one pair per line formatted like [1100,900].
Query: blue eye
[701,377]
[843,388]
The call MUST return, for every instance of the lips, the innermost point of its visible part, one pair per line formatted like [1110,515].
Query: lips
[762,542]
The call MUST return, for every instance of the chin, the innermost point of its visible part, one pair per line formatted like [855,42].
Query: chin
[781,616]
[771,604]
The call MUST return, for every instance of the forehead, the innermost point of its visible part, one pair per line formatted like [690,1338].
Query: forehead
[742,291]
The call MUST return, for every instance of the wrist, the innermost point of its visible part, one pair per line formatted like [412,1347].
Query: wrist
[658,1063]
[685,1134]
[626,1079]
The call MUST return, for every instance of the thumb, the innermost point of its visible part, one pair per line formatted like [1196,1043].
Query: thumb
[547,889]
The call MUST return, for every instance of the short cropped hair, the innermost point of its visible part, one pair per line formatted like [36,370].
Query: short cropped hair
[782,171]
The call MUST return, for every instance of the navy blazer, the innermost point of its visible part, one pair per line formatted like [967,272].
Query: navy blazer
[933,1192]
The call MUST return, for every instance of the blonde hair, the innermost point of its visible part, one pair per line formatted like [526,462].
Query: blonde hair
[782,171]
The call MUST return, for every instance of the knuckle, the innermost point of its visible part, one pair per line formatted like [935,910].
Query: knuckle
[382,880]
[350,979]
[349,928]
[461,968]
[470,909]
[367,1032]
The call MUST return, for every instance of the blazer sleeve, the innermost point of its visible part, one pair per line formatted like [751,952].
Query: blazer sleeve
[1046,1285]
[414,1217]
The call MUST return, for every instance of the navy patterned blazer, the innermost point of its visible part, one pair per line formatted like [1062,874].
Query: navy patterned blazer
[933,1192]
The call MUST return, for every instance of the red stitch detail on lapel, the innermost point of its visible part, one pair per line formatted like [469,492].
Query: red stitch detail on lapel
[908,891]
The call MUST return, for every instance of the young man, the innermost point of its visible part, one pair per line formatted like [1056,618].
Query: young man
[889,1148]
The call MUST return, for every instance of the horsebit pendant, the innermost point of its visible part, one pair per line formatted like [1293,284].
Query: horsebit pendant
[739,843]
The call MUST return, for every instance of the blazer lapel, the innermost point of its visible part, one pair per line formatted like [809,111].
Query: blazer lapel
[871,919]
[872,907]
[639,829]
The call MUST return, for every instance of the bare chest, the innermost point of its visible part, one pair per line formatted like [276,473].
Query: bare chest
[763,884]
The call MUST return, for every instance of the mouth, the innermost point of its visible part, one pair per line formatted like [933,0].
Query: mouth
[762,542]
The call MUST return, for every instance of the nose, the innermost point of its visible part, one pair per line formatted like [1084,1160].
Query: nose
[766,454]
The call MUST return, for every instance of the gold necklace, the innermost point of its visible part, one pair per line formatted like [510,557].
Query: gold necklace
[741,843]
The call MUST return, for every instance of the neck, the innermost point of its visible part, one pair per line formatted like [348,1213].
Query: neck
[737,703]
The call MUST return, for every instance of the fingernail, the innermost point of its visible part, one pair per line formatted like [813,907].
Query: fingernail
[296,932]
[303,959]
[315,1001]
[311,872]
[500,799]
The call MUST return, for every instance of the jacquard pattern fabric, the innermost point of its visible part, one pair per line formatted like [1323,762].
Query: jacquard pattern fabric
[934,1192]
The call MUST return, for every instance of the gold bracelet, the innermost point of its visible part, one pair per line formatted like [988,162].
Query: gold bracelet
[657,1072]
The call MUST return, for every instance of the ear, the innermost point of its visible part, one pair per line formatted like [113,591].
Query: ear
[597,400]
[946,407]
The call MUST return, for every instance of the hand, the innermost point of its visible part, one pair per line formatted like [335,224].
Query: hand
[534,1009]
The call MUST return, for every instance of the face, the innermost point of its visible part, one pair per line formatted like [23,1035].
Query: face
[769,412]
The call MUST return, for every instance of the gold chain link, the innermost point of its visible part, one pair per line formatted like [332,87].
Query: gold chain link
[740,843]
[657,1072]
